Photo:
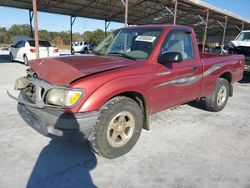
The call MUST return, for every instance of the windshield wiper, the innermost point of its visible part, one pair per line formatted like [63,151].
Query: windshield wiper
[121,55]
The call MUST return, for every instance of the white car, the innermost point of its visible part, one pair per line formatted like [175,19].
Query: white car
[82,47]
[240,45]
[25,50]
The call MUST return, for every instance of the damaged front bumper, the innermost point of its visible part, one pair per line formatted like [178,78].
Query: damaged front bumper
[52,122]
[70,127]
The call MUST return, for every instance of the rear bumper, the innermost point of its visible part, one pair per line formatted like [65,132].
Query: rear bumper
[32,56]
[60,125]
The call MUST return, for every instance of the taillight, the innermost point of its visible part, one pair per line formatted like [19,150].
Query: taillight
[32,50]
[55,50]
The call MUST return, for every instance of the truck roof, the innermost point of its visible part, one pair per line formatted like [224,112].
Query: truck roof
[162,26]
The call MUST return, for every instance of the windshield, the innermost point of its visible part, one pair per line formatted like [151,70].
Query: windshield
[133,43]
[245,36]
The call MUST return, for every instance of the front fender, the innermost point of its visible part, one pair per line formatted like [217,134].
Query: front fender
[111,89]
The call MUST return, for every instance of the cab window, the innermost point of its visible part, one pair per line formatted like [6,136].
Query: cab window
[179,41]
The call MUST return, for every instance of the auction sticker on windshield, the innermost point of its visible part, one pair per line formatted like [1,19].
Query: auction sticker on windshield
[145,38]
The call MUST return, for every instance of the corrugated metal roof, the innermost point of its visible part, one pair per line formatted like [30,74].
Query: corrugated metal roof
[141,12]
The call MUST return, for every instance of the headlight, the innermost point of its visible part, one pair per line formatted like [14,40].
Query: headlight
[63,97]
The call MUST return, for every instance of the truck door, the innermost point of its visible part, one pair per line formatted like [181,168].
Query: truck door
[179,82]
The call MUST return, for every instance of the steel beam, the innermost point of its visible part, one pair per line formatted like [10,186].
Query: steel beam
[205,33]
[107,23]
[224,33]
[72,21]
[242,26]
[31,19]
[237,28]
[126,13]
[175,11]
[36,28]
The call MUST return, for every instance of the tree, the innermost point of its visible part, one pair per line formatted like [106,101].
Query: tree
[94,37]
[23,29]
[58,41]
[59,38]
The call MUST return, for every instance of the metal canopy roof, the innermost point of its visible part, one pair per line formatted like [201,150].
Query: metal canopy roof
[189,12]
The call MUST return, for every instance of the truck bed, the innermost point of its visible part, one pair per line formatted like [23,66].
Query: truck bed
[213,65]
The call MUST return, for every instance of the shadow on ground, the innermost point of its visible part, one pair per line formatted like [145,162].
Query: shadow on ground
[63,164]
[245,79]
[5,59]
[199,104]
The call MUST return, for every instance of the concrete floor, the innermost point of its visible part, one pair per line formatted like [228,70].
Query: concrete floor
[186,147]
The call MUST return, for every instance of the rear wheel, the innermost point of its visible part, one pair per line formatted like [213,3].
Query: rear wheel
[218,99]
[118,127]
[25,60]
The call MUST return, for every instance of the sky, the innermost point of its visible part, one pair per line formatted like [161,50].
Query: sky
[55,22]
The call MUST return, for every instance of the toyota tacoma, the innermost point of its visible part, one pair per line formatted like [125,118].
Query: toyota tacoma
[107,97]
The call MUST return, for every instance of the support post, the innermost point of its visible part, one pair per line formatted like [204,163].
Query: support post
[224,33]
[31,19]
[72,21]
[107,23]
[36,28]
[175,11]
[205,33]
[242,26]
[126,13]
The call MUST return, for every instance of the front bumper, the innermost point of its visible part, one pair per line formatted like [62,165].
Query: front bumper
[57,124]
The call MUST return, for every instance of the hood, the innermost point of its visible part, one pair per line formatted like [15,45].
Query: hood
[64,70]
[241,43]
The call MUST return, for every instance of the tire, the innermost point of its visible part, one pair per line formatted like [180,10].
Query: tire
[25,60]
[11,57]
[219,97]
[118,127]
[85,50]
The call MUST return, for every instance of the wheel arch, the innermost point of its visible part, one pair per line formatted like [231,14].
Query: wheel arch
[229,77]
[95,102]
[141,101]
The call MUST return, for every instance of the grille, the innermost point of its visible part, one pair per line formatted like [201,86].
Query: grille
[31,93]
[243,50]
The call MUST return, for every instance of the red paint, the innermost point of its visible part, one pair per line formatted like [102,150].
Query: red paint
[105,77]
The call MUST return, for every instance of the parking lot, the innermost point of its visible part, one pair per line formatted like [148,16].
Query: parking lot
[186,147]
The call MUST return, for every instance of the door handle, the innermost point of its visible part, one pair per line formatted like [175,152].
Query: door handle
[195,68]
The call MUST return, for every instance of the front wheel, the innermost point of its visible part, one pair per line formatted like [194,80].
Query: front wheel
[118,127]
[219,97]
[25,60]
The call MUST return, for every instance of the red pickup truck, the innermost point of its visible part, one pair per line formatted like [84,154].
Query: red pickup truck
[107,97]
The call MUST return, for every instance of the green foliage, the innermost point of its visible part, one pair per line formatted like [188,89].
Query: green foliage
[94,37]
[57,38]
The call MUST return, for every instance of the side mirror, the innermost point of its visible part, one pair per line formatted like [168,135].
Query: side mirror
[170,57]
[12,46]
